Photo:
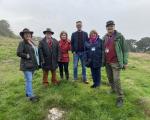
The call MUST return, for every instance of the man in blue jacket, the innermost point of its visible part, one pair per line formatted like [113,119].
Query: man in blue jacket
[78,39]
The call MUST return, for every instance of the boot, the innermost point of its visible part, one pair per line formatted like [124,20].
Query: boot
[34,99]
[54,79]
[61,76]
[119,102]
[67,76]
[45,78]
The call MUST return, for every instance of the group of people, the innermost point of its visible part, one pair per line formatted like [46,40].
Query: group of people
[92,51]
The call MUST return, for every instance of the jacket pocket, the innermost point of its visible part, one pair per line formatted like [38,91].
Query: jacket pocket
[28,64]
[88,62]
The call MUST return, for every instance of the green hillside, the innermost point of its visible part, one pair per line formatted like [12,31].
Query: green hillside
[78,100]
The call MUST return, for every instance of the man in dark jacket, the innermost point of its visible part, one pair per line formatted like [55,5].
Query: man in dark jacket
[116,58]
[48,51]
[78,39]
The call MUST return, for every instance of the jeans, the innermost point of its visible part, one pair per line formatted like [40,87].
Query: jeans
[76,58]
[63,66]
[96,75]
[28,79]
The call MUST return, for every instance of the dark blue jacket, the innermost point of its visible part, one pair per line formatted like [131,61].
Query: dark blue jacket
[74,40]
[93,53]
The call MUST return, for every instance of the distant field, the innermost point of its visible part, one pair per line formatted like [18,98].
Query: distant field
[78,100]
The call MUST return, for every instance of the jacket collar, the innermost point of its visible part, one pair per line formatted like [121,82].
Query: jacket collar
[117,35]
[46,39]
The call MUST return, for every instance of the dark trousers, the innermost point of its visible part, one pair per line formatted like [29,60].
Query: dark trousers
[113,74]
[96,75]
[63,66]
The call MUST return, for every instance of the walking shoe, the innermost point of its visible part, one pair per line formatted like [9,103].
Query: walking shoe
[119,102]
[86,82]
[34,99]
[94,86]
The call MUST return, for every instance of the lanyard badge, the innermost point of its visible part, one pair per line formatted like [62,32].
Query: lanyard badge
[93,49]
[106,50]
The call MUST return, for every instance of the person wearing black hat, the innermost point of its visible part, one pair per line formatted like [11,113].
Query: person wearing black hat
[115,59]
[48,50]
[28,53]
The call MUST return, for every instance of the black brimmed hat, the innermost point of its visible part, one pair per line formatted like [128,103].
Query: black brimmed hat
[25,30]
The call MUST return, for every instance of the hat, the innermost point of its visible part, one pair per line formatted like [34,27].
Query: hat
[48,30]
[110,23]
[25,30]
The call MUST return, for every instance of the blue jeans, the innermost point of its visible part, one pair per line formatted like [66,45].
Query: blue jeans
[28,79]
[96,75]
[76,58]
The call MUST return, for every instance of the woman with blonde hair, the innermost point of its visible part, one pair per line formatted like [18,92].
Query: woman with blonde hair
[93,57]
[63,59]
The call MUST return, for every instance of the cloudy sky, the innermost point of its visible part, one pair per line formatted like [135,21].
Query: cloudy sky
[132,17]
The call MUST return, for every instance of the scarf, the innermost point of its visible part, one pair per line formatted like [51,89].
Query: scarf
[50,42]
[93,39]
[36,53]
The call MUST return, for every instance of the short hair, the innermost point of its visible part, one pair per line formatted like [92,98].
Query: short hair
[79,21]
[63,32]
[93,31]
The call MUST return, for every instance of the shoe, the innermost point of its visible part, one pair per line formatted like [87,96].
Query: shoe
[67,77]
[45,85]
[56,82]
[94,86]
[34,99]
[86,82]
[119,102]
[54,79]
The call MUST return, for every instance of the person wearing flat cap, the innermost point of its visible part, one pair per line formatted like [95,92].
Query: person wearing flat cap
[115,59]
[48,51]
[28,52]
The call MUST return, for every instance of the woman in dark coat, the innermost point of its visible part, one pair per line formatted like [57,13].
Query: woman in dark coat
[93,57]
[29,62]
[48,51]
[63,59]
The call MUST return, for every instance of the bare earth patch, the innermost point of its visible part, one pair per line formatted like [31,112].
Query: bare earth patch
[55,114]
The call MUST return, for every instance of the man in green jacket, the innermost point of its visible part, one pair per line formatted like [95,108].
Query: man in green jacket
[115,59]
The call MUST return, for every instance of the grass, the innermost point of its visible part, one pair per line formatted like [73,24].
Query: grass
[78,100]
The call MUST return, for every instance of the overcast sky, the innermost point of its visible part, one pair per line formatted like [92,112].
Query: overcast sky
[132,17]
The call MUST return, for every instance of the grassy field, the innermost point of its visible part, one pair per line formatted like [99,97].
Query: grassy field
[78,100]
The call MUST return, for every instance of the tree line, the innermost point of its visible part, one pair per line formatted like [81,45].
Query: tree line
[5,29]
[142,45]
